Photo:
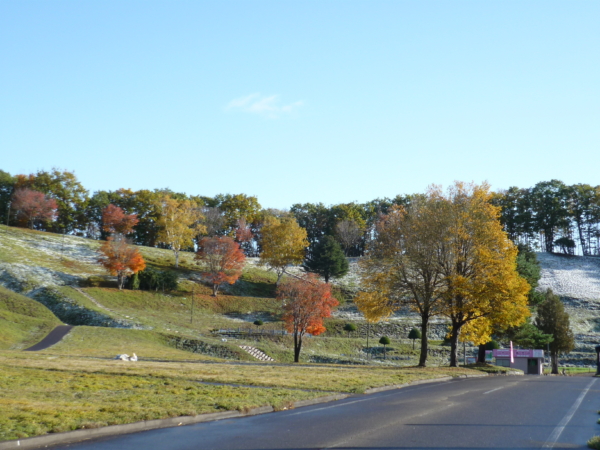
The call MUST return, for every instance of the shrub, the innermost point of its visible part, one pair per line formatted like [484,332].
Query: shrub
[96,281]
[152,279]
[492,345]
[594,442]
[385,340]
[350,327]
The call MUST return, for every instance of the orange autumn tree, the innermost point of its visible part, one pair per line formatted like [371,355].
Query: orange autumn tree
[120,258]
[33,206]
[306,302]
[222,259]
[114,220]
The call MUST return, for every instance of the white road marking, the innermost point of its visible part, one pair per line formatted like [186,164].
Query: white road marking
[565,420]
[337,405]
[493,390]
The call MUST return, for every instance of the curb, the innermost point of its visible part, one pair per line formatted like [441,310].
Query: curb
[71,437]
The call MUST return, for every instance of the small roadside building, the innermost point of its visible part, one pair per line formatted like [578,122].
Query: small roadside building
[531,362]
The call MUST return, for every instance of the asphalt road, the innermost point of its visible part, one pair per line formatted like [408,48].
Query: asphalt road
[52,338]
[526,412]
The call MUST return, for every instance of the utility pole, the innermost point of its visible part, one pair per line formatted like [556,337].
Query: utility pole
[192,315]
[368,332]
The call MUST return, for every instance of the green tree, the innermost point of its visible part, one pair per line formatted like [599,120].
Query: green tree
[350,328]
[179,224]
[554,320]
[584,209]
[327,259]
[315,218]
[7,185]
[69,193]
[414,334]
[530,336]
[283,243]
[567,245]
[236,207]
[529,268]
[384,341]
[549,203]
[516,214]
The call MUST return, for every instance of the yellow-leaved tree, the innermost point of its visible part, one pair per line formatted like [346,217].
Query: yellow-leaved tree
[401,266]
[478,262]
[283,243]
[179,223]
[445,253]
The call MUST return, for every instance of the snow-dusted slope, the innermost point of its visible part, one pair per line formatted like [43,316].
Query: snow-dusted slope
[574,277]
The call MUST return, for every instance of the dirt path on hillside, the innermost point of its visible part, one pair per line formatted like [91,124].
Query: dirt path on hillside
[52,338]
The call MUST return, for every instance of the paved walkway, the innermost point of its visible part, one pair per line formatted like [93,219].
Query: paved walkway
[52,338]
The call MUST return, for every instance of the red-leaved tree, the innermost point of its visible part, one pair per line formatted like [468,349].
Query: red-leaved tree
[306,302]
[222,260]
[243,235]
[33,206]
[114,220]
[120,258]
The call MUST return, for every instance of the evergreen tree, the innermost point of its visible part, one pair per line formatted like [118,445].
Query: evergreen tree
[553,319]
[414,334]
[7,185]
[327,259]
[529,268]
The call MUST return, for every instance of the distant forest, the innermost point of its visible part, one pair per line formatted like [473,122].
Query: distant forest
[550,216]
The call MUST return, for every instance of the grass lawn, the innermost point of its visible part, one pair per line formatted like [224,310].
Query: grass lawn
[23,321]
[489,368]
[106,343]
[42,393]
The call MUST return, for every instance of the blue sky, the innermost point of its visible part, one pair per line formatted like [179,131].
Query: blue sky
[312,101]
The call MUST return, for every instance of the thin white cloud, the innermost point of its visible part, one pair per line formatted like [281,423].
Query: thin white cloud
[269,106]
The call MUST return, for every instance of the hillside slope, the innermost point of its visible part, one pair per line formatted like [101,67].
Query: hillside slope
[576,279]
[23,321]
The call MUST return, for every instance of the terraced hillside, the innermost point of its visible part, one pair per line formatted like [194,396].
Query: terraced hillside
[61,272]
[576,279]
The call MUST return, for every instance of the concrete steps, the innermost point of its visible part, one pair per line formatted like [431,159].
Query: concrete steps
[256,353]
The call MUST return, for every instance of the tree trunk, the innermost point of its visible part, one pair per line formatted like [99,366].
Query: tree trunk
[297,347]
[215,290]
[549,240]
[554,362]
[455,333]
[481,354]
[424,343]
[279,275]
[120,280]
[582,240]
[176,258]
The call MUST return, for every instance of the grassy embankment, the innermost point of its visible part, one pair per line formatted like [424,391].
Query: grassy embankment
[23,321]
[47,394]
